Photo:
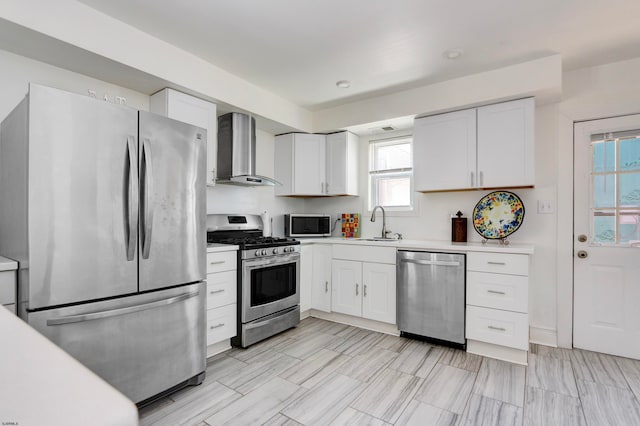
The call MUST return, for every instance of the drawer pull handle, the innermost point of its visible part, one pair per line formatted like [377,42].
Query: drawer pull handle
[216,326]
[216,291]
[490,327]
[497,263]
[218,262]
[496,292]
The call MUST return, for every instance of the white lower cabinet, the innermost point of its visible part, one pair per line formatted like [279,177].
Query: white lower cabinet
[306,277]
[8,290]
[497,322]
[346,280]
[364,289]
[379,292]
[222,298]
[321,281]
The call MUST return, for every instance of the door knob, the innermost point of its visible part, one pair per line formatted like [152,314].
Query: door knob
[582,238]
[582,254]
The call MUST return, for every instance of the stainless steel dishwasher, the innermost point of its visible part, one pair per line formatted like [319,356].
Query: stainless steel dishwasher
[431,295]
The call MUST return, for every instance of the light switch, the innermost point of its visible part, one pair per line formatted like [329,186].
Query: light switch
[546,207]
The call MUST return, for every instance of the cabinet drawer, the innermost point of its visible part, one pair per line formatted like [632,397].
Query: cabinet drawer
[221,289]
[515,264]
[221,261]
[500,291]
[498,327]
[11,308]
[7,287]
[221,323]
[365,253]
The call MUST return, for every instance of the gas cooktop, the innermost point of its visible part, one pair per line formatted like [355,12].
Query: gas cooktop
[251,242]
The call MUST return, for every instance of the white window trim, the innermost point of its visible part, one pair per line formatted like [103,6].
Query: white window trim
[410,210]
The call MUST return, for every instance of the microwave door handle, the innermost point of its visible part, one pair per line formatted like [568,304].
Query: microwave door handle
[147,198]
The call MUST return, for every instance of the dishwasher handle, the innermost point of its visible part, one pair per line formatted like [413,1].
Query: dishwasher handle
[431,262]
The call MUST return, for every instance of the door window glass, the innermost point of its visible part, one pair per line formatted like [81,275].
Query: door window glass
[615,201]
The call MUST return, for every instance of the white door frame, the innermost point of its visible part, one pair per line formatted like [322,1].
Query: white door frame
[565,213]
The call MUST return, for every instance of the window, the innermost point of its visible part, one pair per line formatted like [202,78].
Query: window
[391,174]
[615,180]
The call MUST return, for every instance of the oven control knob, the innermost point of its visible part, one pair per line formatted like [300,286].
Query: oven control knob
[286,249]
[257,252]
[264,252]
[275,251]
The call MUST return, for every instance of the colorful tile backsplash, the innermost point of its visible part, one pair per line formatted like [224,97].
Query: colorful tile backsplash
[351,225]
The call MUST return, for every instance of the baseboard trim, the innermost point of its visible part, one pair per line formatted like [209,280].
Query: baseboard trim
[502,353]
[367,324]
[305,314]
[216,348]
[543,336]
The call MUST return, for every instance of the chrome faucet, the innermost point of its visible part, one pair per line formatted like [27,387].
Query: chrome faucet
[384,220]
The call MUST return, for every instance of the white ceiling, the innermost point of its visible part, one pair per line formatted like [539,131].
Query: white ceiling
[299,49]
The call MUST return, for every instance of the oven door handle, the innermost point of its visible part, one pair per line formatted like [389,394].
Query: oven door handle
[252,263]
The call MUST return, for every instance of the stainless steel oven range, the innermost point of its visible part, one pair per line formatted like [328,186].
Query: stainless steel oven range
[268,276]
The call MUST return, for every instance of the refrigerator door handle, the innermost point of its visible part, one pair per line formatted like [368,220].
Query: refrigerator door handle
[121,311]
[131,199]
[147,198]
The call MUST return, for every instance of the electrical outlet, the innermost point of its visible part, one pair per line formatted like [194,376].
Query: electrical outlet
[546,207]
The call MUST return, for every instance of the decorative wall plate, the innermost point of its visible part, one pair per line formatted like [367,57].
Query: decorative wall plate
[498,215]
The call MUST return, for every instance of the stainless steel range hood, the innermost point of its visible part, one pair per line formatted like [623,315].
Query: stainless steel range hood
[237,151]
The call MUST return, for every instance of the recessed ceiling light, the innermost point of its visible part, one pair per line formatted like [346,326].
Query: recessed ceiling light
[343,84]
[452,53]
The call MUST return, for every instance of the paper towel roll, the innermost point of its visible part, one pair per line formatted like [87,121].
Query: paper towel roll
[266,224]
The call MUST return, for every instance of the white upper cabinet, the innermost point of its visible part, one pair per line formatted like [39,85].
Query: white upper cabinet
[485,147]
[444,151]
[194,111]
[316,165]
[342,164]
[506,144]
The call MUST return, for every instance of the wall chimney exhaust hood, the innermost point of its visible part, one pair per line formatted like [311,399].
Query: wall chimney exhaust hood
[237,151]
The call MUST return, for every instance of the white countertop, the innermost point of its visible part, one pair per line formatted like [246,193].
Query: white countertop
[43,385]
[7,264]
[214,248]
[491,246]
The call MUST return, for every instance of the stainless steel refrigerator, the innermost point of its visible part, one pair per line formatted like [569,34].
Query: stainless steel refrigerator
[104,208]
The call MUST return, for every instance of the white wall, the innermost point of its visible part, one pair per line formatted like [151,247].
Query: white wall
[255,200]
[16,72]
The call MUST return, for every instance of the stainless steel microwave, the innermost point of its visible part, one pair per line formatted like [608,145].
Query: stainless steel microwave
[307,225]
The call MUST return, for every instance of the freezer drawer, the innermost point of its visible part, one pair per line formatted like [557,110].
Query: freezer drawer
[141,345]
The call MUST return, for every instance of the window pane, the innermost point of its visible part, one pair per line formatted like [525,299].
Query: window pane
[393,190]
[630,154]
[394,156]
[604,156]
[630,190]
[604,191]
[629,229]
[604,227]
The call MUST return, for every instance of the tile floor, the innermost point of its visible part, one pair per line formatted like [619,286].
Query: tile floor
[324,373]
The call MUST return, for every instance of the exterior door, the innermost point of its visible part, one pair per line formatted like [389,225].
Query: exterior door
[82,198]
[346,277]
[172,202]
[607,236]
